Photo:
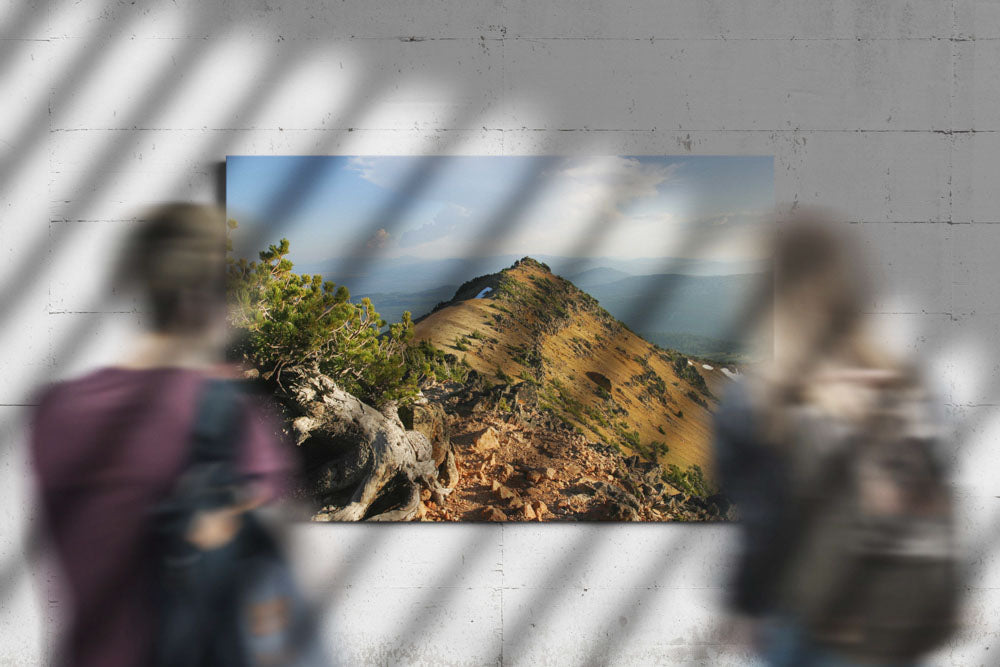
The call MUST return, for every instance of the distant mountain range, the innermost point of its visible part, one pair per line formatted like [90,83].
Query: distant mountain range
[692,312]
[412,275]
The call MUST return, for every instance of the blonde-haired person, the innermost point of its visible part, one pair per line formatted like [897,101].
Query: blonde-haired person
[831,441]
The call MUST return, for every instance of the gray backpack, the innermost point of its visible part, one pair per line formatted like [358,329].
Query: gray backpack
[237,605]
[874,569]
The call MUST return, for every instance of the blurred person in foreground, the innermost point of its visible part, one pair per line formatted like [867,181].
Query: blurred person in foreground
[834,454]
[149,470]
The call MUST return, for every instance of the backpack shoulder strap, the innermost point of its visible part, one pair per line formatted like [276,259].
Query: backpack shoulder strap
[217,424]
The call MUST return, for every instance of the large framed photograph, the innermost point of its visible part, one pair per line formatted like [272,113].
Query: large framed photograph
[500,338]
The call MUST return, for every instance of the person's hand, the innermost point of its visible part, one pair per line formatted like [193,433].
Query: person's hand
[214,528]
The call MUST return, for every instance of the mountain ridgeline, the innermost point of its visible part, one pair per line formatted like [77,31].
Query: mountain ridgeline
[669,302]
[518,399]
[567,357]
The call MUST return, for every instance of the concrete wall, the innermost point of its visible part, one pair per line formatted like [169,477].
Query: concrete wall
[887,111]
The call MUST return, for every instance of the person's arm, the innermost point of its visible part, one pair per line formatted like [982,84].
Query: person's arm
[211,529]
[752,476]
[266,465]
[266,457]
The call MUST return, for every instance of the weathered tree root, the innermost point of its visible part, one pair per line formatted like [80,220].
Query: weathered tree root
[396,454]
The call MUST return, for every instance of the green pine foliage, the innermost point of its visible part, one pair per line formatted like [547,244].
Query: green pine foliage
[690,481]
[294,322]
[427,362]
[689,373]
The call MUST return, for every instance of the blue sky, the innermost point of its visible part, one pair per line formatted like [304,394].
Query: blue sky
[438,208]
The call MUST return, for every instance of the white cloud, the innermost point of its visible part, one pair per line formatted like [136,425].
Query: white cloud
[379,239]
[365,166]
[452,219]
[604,187]
[594,206]
[602,205]
[581,199]
[380,171]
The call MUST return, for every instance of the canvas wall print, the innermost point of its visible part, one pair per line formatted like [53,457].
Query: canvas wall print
[515,338]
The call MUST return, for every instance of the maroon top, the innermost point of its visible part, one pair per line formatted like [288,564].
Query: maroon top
[107,448]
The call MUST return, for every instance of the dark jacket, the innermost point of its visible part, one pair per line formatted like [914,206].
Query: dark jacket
[755,478]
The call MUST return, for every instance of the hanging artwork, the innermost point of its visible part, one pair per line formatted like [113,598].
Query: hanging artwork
[501,338]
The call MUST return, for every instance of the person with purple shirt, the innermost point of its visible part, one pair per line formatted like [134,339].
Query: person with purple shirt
[110,446]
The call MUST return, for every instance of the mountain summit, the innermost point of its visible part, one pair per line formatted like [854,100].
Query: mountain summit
[528,328]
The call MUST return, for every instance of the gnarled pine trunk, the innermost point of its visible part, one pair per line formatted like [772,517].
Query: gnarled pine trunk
[395,462]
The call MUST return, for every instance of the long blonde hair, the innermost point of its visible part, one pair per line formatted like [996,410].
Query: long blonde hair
[824,352]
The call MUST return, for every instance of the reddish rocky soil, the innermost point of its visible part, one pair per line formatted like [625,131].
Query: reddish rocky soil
[509,471]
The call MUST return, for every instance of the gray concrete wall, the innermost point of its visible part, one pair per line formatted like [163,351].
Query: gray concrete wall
[887,111]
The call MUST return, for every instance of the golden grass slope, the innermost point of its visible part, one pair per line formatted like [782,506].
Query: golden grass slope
[590,370]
